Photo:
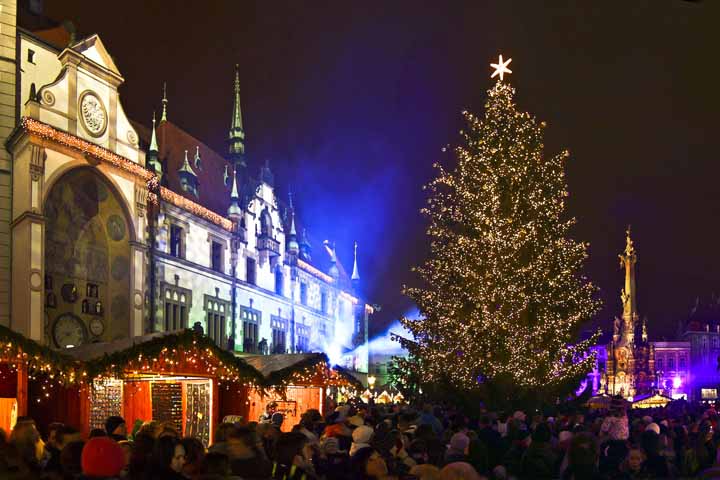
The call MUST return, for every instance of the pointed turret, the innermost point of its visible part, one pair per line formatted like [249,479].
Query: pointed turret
[293,247]
[188,178]
[164,103]
[305,247]
[153,161]
[333,271]
[197,161]
[236,136]
[234,211]
[355,274]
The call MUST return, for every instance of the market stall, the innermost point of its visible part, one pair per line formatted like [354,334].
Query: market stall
[172,378]
[30,374]
[654,400]
[294,383]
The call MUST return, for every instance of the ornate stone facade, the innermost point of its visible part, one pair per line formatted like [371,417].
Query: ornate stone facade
[106,247]
[630,368]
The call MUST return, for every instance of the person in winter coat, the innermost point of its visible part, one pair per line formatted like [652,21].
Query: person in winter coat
[361,438]
[539,459]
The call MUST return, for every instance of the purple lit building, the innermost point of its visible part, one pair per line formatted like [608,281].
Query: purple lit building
[702,333]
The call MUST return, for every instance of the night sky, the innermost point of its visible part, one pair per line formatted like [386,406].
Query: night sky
[353,101]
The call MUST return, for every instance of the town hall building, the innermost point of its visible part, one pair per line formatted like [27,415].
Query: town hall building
[117,230]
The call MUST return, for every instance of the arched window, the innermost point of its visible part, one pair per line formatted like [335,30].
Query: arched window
[87,259]
[266,223]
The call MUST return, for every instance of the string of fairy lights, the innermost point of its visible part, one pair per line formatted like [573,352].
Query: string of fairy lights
[176,355]
[502,291]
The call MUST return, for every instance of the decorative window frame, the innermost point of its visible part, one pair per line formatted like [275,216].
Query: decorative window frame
[225,245]
[213,303]
[184,225]
[169,288]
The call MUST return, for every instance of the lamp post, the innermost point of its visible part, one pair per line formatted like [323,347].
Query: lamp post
[371,381]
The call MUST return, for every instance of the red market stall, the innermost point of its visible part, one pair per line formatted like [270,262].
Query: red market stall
[173,378]
[294,382]
[30,374]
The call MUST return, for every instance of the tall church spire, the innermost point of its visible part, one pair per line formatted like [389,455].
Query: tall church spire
[628,259]
[164,103]
[236,136]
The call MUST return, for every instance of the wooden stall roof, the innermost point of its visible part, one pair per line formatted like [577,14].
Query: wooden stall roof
[16,348]
[183,352]
[284,368]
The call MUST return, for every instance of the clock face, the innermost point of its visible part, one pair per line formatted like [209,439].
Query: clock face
[69,331]
[97,327]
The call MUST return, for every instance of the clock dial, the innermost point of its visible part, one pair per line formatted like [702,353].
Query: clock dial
[68,331]
[97,327]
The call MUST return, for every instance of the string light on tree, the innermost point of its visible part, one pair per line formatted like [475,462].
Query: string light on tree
[503,294]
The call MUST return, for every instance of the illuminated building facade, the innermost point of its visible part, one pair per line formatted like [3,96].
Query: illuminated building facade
[118,230]
[702,333]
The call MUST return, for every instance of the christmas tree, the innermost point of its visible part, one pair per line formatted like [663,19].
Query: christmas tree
[502,295]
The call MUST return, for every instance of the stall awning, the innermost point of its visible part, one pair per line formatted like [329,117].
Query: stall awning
[300,368]
[177,353]
[16,348]
[651,401]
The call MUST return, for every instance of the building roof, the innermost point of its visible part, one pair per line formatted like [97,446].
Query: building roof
[213,192]
[280,369]
[703,314]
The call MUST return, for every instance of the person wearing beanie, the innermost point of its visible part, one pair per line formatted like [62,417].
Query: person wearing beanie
[115,428]
[653,427]
[458,449]
[102,457]
[361,438]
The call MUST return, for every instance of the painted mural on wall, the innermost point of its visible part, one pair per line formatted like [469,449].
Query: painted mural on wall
[87,261]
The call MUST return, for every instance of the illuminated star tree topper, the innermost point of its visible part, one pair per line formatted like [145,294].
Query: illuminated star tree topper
[501,67]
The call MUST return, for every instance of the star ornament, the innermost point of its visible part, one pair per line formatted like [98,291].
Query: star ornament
[501,67]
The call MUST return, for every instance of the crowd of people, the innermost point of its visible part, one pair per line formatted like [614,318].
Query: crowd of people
[358,441]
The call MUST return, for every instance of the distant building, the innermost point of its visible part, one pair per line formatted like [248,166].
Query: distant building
[702,332]
[673,368]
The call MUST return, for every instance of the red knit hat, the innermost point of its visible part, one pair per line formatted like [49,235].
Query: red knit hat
[102,457]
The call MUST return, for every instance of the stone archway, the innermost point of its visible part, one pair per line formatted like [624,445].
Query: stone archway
[87,261]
